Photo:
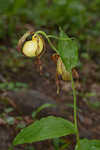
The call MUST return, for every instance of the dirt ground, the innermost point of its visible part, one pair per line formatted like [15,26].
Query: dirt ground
[20,69]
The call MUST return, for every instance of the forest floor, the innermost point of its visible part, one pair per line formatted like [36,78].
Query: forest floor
[18,69]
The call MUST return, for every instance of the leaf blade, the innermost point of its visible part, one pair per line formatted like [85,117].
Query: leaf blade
[45,128]
[68,51]
[86,144]
[39,109]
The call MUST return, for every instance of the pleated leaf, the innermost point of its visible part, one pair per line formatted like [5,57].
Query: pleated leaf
[68,51]
[45,128]
[86,144]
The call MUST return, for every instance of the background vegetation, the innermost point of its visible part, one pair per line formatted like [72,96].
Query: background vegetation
[78,18]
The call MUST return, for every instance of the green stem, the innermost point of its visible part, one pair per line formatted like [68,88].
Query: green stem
[75,108]
[51,36]
[59,38]
[73,86]
[46,36]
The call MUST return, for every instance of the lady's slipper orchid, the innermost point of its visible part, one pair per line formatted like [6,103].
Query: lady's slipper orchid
[31,45]
[61,70]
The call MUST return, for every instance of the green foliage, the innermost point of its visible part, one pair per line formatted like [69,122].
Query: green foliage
[4,4]
[76,17]
[18,5]
[10,120]
[58,11]
[13,86]
[21,125]
[86,144]
[9,109]
[95,105]
[10,8]
[46,128]
[42,12]
[68,51]
[10,13]
[87,96]
[53,127]
[34,114]
[59,143]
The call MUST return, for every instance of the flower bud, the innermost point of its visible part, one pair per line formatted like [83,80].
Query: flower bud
[30,45]
[61,70]
[33,47]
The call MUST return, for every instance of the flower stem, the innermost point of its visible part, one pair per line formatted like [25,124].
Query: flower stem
[59,38]
[75,108]
[73,86]
[52,36]
[46,36]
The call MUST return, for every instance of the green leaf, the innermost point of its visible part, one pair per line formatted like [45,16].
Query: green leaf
[18,4]
[46,128]
[68,51]
[9,109]
[86,144]
[41,108]
[10,120]
[95,105]
[4,4]
[21,125]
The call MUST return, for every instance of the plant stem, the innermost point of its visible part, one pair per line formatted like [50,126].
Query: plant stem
[59,38]
[73,86]
[46,36]
[75,108]
[51,36]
